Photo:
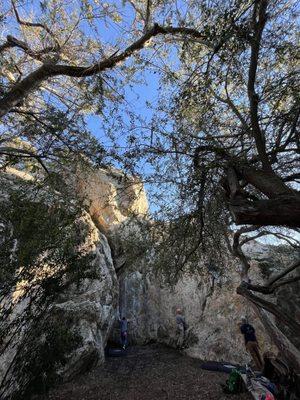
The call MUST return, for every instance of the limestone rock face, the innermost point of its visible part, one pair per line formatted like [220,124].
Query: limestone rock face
[92,305]
[111,196]
[89,306]
[210,305]
[209,302]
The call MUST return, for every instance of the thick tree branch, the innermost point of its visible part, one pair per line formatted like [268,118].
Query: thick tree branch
[271,289]
[6,45]
[282,211]
[271,286]
[258,26]
[268,306]
[291,178]
[33,80]
[148,14]
[237,249]
[266,182]
[286,349]
[284,273]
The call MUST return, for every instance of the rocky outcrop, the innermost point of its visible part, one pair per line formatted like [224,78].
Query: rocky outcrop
[210,303]
[86,307]
[211,307]
[91,305]
[110,196]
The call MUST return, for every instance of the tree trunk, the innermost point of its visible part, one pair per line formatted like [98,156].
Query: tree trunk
[287,350]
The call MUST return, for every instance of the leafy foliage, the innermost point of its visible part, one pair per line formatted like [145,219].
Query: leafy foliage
[40,259]
[46,348]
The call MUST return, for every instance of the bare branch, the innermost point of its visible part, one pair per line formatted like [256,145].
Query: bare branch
[34,24]
[266,305]
[148,14]
[284,273]
[271,289]
[12,151]
[33,80]
[14,42]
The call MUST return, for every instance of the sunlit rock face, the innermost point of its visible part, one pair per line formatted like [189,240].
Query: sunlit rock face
[90,305]
[210,303]
[111,196]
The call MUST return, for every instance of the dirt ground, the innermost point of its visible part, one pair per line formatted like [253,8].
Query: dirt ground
[152,372]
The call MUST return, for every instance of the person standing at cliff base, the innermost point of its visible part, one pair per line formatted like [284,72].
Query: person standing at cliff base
[124,332]
[251,343]
[181,328]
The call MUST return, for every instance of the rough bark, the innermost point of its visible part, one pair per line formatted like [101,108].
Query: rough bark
[281,211]
[258,21]
[271,289]
[286,349]
[267,182]
[270,307]
[23,88]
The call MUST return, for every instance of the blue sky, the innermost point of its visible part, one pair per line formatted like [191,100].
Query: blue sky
[136,96]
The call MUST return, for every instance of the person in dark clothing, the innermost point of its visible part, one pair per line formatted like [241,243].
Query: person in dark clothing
[124,332]
[181,328]
[251,343]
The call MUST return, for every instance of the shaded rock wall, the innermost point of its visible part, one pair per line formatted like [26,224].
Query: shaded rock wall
[210,305]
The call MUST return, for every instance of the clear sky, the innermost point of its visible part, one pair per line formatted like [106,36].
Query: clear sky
[137,95]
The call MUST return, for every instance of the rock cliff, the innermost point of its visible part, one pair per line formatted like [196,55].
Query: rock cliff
[209,301]
[77,303]
[211,307]
[111,285]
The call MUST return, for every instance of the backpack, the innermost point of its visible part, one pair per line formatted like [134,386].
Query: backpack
[234,383]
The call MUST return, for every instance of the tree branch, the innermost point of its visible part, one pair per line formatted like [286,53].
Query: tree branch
[271,289]
[287,350]
[34,24]
[284,273]
[14,42]
[266,305]
[14,152]
[260,9]
[281,211]
[34,79]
